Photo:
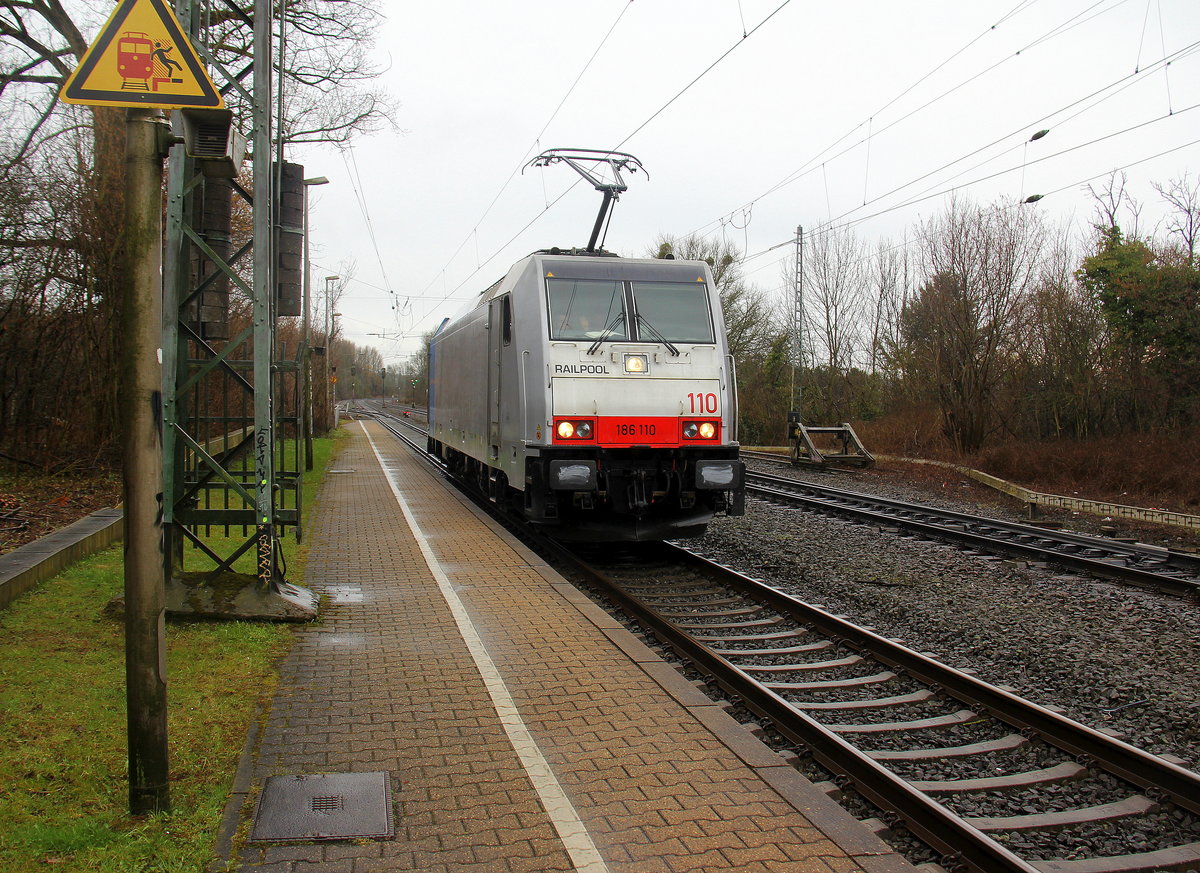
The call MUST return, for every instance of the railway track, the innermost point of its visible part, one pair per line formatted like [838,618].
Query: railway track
[1153,567]
[991,781]
[1165,570]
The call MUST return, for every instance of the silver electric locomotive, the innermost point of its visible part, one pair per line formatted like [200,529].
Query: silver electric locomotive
[593,394]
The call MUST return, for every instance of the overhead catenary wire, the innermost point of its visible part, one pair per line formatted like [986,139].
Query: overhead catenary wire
[1021,6]
[1119,84]
[528,151]
[1013,205]
[1092,11]
[352,171]
[810,166]
[640,127]
[1044,120]
[830,227]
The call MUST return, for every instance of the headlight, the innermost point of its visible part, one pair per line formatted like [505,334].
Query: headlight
[574,431]
[700,430]
[637,363]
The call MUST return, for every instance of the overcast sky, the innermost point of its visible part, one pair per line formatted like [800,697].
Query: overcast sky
[750,117]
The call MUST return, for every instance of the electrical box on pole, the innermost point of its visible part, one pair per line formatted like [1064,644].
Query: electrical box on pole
[289,241]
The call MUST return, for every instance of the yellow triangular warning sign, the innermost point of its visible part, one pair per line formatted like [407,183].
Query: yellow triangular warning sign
[141,58]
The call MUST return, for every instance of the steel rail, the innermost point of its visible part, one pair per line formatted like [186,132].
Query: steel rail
[1177,784]
[992,535]
[944,830]
[1183,561]
[929,820]
[957,839]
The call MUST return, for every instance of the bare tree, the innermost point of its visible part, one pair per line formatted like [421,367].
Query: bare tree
[1185,221]
[1058,371]
[62,172]
[890,286]
[983,262]
[1111,200]
[329,75]
[835,320]
[835,269]
[747,316]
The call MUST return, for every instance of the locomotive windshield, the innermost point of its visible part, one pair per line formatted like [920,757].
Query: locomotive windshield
[595,309]
[677,311]
[586,309]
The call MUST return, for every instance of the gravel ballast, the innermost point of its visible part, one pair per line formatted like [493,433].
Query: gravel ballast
[1109,655]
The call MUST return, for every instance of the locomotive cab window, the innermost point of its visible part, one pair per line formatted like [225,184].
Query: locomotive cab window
[677,311]
[506,319]
[586,309]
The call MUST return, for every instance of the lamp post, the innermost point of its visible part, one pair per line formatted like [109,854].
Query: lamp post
[327,407]
[306,410]
[336,315]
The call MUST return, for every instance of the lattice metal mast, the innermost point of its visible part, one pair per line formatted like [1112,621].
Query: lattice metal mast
[797,338]
[221,391]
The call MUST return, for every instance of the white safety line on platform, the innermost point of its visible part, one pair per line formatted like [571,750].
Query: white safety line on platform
[575,838]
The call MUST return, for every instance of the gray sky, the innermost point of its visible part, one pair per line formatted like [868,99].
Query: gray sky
[750,116]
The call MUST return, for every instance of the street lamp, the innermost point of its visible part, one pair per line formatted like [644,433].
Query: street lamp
[327,413]
[306,411]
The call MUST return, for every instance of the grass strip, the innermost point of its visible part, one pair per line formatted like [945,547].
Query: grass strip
[62,712]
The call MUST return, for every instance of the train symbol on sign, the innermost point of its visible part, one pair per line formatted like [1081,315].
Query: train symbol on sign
[144,64]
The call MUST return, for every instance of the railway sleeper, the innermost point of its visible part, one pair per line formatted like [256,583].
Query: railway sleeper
[874,703]
[955,718]
[1004,744]
[732,625]
[802,649]
[1068,771]
[811,666]
[1186,857]
[664,597]
[716,613]
[751,638]
[833,684]
[1134,805]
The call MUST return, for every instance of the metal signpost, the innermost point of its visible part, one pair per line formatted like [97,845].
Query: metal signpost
[143,61]
[198,405]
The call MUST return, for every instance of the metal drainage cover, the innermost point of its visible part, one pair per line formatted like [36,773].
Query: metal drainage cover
[324,806]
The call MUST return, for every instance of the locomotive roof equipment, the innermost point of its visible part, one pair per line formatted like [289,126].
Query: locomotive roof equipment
[576,160]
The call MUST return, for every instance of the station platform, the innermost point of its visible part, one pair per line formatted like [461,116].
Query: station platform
[519,726]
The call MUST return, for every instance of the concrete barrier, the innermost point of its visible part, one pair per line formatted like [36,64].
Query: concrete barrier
[45,558]
[1075,504]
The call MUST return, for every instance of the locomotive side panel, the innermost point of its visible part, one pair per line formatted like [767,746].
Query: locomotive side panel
[518,369]
[480,405]
[458,399]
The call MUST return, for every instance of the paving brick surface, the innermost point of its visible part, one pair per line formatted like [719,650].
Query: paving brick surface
[385,681]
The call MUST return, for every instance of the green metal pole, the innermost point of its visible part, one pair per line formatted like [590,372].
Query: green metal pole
[264,323]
